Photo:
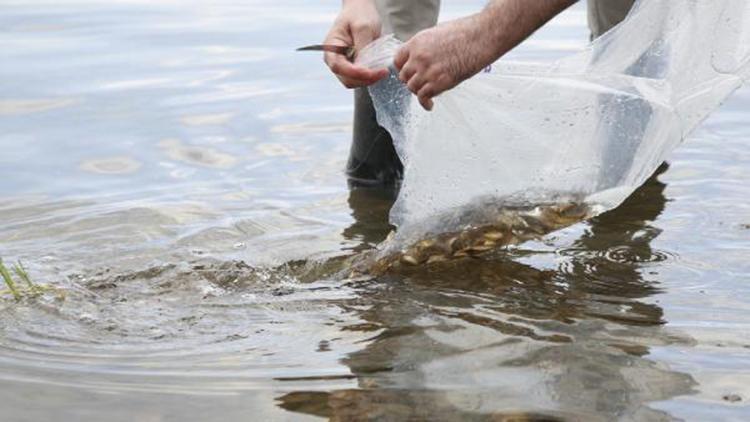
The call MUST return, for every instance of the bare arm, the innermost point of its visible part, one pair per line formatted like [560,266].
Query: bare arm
[440,58]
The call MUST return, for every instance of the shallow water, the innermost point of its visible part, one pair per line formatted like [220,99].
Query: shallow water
[176,171]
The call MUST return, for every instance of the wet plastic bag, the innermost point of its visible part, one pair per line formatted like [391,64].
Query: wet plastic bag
[591,127]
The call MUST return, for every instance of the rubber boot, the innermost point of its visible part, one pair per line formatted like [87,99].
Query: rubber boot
[372,159]
[606,14]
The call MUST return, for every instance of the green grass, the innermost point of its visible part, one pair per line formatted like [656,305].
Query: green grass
[9,281]
[26,287]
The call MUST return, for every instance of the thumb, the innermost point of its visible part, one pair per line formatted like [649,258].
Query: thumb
[402,56]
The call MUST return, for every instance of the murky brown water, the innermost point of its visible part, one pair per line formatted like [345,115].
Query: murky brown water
[176,171]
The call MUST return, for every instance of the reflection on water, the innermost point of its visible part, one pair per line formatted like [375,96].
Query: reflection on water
[370,208]
[112,165]
[32,106]
[176,171]
[200,156]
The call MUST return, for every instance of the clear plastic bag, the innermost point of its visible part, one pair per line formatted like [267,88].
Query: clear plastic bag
[590,128]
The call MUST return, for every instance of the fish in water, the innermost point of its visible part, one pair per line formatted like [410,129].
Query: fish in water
[494,227]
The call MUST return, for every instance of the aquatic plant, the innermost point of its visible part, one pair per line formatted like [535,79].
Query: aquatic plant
[17,290]
[12,288]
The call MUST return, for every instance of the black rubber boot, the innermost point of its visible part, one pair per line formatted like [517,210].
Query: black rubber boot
[372,159]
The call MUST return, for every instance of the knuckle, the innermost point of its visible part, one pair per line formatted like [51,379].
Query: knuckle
[420,68]
[433,73]
[400,61]
[404,74]
[422,55]
[373,26]
[362,27]
[444,79]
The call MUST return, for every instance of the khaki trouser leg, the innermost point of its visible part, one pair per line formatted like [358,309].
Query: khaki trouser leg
[605,14]
[372,158]
[407,17]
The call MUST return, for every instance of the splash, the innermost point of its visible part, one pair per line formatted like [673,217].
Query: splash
[484,227]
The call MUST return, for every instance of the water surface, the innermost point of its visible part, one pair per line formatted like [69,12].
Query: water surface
[176,170]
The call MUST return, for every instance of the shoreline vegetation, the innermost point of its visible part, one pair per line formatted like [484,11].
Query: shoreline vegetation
[23,288]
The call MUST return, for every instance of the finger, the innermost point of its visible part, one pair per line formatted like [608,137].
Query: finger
[346,70]
[366,81]
[352,83]
[355,83]
[407,72]
[402,56]
[416,83]
[425,95]
[426,103]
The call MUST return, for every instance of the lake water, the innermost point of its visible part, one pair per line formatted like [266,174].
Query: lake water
[175,170]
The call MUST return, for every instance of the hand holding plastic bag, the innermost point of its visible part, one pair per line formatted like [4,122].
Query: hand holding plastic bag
[591,128]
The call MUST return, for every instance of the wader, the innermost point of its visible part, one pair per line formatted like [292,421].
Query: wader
[373,160]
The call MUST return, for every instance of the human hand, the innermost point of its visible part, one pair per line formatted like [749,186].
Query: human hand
[440,58]
[357,25]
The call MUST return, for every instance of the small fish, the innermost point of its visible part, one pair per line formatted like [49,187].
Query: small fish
[409,259]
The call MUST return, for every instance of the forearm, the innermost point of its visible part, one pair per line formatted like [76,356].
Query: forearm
[440,58]
[507,23]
